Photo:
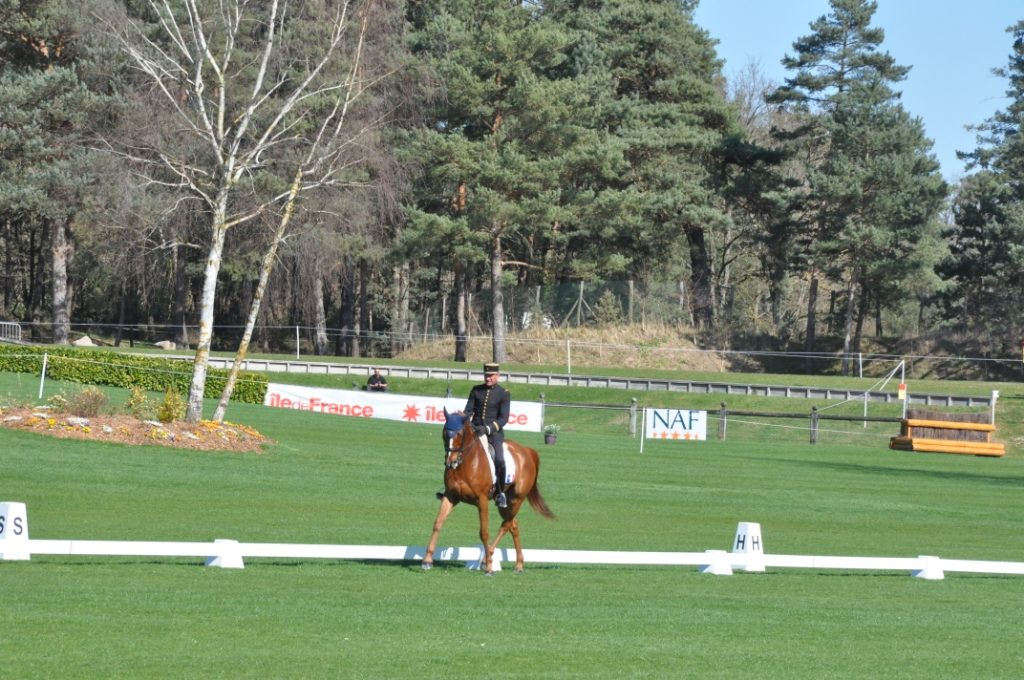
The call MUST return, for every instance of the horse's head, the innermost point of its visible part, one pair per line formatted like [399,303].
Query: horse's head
[454,434]
[453,423]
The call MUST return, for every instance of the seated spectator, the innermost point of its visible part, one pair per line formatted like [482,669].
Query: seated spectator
[377,382]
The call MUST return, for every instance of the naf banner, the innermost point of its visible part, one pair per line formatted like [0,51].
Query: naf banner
[675,424]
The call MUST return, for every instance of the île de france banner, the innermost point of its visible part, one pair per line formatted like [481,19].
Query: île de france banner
[525,415]
[675,424]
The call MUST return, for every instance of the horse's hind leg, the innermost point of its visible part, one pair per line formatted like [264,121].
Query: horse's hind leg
[442,515]
[511,526]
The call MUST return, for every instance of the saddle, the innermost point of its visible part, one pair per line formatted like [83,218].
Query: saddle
[510,464]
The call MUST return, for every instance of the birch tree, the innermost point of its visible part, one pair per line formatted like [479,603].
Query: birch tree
[256,89]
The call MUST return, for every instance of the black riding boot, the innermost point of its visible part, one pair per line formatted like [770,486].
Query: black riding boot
[499,486]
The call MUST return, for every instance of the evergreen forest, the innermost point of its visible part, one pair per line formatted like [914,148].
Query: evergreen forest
[367,173]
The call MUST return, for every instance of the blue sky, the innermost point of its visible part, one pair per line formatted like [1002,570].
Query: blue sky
[951,46]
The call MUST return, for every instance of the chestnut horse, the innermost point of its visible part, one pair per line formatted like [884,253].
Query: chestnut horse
[467,479]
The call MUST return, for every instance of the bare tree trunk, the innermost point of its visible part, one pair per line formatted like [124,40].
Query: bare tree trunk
[349,347]
[400,312]
[684,302]
[461,320]
[197,389]
[36,289]
[62,249]
[180,297]
[8,247]
[365,320]
[319,316]
[122,295]
[702,298]
[809,337]
[848,325]
[629,302]
[497,303]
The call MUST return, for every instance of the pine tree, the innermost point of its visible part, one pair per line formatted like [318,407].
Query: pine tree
[666,116]
[986,261]
[495,147]
[47,109]
[873,187]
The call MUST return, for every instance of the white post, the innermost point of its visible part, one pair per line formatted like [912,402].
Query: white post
[903,381]
[42,376]
[296,342]
[860,364]
[13,531]
[865,409]
[643,429]
[995,398]
[568,356]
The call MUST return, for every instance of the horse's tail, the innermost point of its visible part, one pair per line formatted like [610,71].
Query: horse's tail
[538,504]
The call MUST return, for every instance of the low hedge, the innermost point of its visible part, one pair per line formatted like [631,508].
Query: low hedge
[98,367]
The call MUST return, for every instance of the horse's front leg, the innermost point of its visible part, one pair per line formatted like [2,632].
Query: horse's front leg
[514,530]
[484,535]
[442,515]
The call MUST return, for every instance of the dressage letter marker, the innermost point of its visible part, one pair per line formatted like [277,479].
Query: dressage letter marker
[13,531]
[748,543]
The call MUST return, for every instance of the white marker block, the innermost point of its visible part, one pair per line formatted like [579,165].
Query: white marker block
[748,543]
[227,557]
[931,568]
[476,564]
[13,531]
[719,563]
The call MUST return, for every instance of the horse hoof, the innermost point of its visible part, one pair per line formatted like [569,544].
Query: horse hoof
[427,566]
[488,573]
[519,570]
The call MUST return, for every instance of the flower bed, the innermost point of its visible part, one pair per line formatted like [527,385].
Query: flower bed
[205,435]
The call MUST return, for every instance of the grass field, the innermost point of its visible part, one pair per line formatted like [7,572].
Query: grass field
[333,480]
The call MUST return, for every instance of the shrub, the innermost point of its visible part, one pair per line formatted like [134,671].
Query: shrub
[58,402]
[172,408]
[101,367]
[88,403]
[138,404]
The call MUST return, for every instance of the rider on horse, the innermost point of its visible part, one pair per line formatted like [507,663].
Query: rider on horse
[487,409]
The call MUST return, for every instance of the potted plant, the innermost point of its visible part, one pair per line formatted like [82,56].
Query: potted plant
[551,433]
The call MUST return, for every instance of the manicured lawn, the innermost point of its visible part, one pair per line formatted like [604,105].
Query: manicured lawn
[341,480]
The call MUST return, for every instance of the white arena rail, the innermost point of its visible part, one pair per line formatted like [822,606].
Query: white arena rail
[229,553]
[747,553]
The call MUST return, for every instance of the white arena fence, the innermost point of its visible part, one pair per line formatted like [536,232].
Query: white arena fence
[746,554]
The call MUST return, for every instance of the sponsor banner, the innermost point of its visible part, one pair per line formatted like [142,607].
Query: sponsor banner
[669,423]
[525,415]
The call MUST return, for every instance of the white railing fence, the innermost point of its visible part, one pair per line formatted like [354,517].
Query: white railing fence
[747,553]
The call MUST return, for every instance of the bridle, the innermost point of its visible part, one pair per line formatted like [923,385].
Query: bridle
[449,462]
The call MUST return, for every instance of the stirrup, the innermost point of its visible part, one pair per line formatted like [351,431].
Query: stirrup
[500,500]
